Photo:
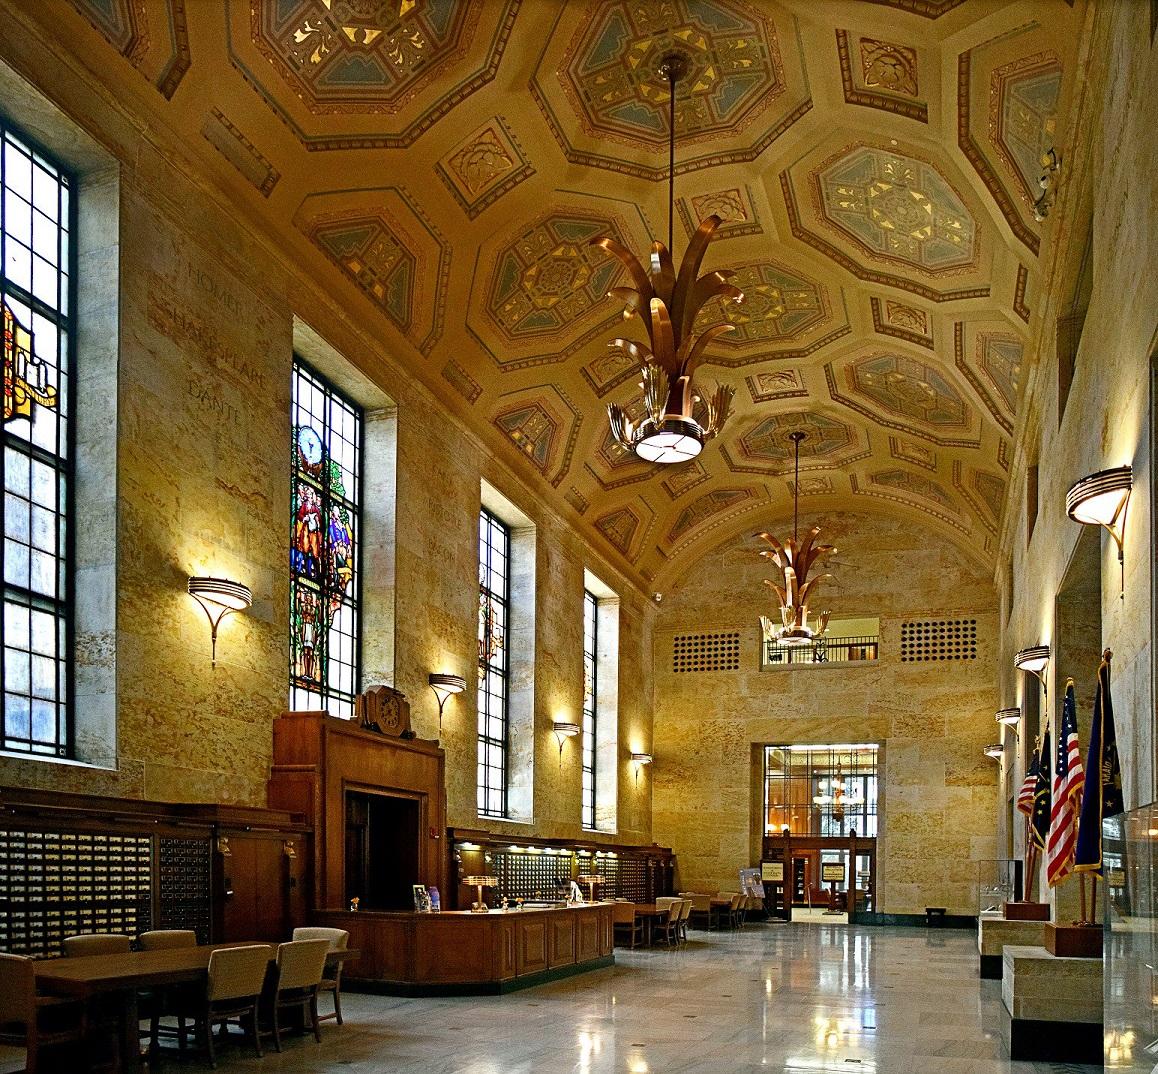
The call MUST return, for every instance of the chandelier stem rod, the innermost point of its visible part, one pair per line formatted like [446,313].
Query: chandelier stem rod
[671,160]
[796,497]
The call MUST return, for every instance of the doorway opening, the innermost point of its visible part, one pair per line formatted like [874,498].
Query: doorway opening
[820,827]
[381,850]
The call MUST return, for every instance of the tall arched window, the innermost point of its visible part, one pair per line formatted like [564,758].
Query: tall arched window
[325,536]
[37,288]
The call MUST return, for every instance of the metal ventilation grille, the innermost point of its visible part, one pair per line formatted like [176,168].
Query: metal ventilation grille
[706,652]
[938,639]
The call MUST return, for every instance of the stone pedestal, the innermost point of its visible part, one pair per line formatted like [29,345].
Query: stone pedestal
[1054,1005]
[994,933]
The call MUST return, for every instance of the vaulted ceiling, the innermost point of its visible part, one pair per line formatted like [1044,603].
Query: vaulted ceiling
[440,166]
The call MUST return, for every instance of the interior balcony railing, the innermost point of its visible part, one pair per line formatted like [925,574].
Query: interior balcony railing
[853,650]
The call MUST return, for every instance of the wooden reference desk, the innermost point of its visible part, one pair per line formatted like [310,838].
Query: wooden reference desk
[123,974]
[464,953]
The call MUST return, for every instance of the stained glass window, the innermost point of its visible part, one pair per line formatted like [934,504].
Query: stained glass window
[590,688]
[494,603]
[325,530]
[37,226]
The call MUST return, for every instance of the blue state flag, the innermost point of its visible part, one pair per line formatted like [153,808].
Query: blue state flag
[1102,796]
[1039,821]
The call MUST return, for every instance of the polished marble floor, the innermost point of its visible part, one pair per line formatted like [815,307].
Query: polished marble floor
[798,999]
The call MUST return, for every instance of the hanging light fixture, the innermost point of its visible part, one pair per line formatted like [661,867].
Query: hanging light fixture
[678,419]
[1101,500]
[796,559]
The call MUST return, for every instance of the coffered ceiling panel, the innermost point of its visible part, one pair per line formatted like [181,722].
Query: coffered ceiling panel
[441,166]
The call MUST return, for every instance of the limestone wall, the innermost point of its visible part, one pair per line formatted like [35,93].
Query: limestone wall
[206,325]
[1106,204]
[938,790]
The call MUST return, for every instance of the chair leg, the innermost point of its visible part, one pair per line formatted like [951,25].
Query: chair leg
[256,1030]
[314,1016]
[181,1043]
[209,1041]
[338,1004]
[276,1027]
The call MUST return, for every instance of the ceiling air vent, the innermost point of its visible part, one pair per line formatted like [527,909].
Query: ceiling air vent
[938,639]
[706,652]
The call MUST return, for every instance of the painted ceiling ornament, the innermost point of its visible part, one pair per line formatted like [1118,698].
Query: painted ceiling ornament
[25,374]
[678,419]
[796,559]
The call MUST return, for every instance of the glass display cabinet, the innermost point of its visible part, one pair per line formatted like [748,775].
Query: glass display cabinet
[1128,896]
[998,882]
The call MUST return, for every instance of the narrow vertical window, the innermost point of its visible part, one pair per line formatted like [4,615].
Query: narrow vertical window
[325,532]
[37,288]
[494,602]
[590,691]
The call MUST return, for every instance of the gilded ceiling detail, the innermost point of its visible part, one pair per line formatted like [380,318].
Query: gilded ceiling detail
[908,389]
[151,34]
[897,208]
[915,485]
[360,55]
[484,166]
[704,507]
[1023,116]
[779,306]
[610,72]
[768,439]
[550,276]
[439,167]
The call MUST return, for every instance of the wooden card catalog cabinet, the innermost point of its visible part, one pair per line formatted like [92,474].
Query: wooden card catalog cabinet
[376,802]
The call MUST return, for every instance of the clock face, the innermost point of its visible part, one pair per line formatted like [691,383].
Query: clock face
[310,446]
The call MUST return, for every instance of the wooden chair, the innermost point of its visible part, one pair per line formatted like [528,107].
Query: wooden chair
[685,913]
[300,966]
[233,990]
[702,910]
[166,939]
[667,928]
[339,940]
[96,943]
[34,1022]
[175,1001]
[623,918]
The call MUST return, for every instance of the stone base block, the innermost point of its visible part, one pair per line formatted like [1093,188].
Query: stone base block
[995,933]
[1073,941]
[1037,987]
[1056,1042]
[1027,911]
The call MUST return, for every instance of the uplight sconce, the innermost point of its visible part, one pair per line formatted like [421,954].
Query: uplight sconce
[445,686]
[996,751]
[639,760]
[1035,660]
[564,731]
[1009,718]
[219,597]
[1101,500]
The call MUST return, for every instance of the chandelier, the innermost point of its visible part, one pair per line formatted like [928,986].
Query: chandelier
[796,558]
[677,419]
[833,793]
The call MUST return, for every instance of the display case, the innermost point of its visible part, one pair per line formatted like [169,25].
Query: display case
[998,882]
[1128,897]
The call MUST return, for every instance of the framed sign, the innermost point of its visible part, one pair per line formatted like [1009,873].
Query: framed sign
[832,872]
[772,871]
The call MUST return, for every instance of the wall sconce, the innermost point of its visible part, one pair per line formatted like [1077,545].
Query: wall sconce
[444,686]
[996,751]
[219,597]
[1101,500]
[1050,162]
[1009,718]
[1035,660]
[639,760]
[564,731]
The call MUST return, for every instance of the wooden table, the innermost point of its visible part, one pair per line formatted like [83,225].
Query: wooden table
[123,974]
[650,914]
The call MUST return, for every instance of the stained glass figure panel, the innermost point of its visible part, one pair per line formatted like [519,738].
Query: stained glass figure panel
[325,530]
[590,688]
[36,224]
[493,663]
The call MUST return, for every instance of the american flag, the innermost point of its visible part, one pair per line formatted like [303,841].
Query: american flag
[1068,777]
[1025,793]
